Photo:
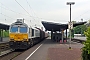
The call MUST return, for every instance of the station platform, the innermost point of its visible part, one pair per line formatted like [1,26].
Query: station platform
[4,40]
[49,50]
[80,38]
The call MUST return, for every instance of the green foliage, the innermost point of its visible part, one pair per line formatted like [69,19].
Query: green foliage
[85,55]
[80,29]
[87,43]
[72,34]
[86,48]
[4,33]
[83,28]
[77,30]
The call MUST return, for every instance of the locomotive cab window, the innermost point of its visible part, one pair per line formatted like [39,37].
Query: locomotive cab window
[14,29]
[23,29]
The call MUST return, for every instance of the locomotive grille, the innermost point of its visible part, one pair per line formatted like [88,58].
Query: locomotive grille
[19,37]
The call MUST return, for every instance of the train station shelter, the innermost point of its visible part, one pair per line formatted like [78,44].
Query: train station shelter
[53,27]
[3,27]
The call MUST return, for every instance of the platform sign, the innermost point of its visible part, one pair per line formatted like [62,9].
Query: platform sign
[70,25]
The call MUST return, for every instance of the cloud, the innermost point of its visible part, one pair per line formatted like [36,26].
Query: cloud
[49,10]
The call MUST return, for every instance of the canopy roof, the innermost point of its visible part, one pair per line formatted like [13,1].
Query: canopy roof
[57,26]
[4,26]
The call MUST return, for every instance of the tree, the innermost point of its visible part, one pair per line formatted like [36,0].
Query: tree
[80,29]
[77,30]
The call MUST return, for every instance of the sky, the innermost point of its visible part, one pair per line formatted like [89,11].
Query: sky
[35,11]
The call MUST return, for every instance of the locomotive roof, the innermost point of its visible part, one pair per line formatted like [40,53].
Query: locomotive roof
[19,23]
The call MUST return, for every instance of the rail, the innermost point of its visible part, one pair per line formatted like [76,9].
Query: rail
[78,40]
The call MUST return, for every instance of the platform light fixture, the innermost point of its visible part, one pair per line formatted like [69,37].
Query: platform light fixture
[70,3]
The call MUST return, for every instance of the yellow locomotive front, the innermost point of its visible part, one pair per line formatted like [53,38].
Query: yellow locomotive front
[18,34]
[18,37]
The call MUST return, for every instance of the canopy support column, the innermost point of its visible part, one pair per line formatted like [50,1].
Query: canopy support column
[62,36]
[52,34]
[66,34]
[1,35]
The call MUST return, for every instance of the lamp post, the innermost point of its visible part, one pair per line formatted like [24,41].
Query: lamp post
[70,3]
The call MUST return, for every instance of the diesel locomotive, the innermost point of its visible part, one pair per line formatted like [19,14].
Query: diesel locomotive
[22,36]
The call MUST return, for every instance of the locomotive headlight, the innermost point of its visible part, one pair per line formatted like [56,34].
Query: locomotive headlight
[24,39]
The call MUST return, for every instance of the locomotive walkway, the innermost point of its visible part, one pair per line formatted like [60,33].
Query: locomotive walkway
[49,50]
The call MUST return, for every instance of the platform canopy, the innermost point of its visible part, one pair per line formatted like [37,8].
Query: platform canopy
[49,26]
[4,26]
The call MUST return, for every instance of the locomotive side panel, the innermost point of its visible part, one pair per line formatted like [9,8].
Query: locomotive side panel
[37,33]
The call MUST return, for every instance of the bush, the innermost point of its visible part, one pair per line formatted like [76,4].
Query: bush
[85,55]
[86,48]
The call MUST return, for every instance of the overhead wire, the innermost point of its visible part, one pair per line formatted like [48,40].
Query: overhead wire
[26,11]
[32,10]
[81,14]
[23,8]
[22,13]
[13,11]
[6,16]
[7,8]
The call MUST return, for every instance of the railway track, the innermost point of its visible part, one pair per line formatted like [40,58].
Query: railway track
[12,55]
[4,46]
[78,40]
[6,53]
